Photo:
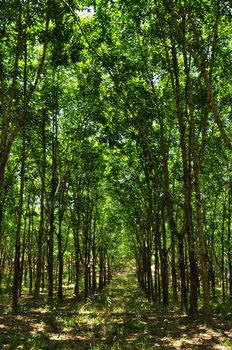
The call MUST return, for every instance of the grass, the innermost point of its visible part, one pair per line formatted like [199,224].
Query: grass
[119,317]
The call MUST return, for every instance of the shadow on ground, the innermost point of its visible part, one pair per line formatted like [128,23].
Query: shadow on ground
[118,318]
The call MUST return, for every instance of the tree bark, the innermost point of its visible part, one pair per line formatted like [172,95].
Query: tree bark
[164,261]
[193,310]
[54,189]
[17,262]
[169,205]
[40,239]
[196,169]
[229,237]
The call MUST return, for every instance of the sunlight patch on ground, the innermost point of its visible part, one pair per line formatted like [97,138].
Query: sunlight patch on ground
[5,326]
[37,327]
[55,336]
[42,310]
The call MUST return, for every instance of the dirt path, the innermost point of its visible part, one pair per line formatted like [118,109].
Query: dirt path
[118,318]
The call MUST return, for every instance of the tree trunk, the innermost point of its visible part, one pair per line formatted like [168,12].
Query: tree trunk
[23,255]
[229,237]
[40,238]
[183,282]
[193,310]
[196,169]
[60,259]
[17,263]
[94,258]
[164,261]
[77,263]
[52,199]
[101,271]
[169,205]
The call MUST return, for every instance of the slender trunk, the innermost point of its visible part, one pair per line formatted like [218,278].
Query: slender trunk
[157,291]
[51,246]
[94,275]
[164,260]
[2,269]
[193,310]
[109,270]
[60,259]
[76,227]
[52,200]
[211,249]
[173,255]
[86,262]
[29,253]
[183,282]
[203,256]
[229,237]
[196,169]
[223,253]
[169,206]
[2,202]
[77,263]
[40,238]
[101,271]
[23,256]
[17,263]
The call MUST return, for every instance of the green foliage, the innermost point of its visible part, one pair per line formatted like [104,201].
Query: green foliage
[103,125]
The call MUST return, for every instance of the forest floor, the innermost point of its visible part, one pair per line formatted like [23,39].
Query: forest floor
[117,318]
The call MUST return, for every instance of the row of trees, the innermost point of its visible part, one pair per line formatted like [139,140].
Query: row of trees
[116,117]
[54,200]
